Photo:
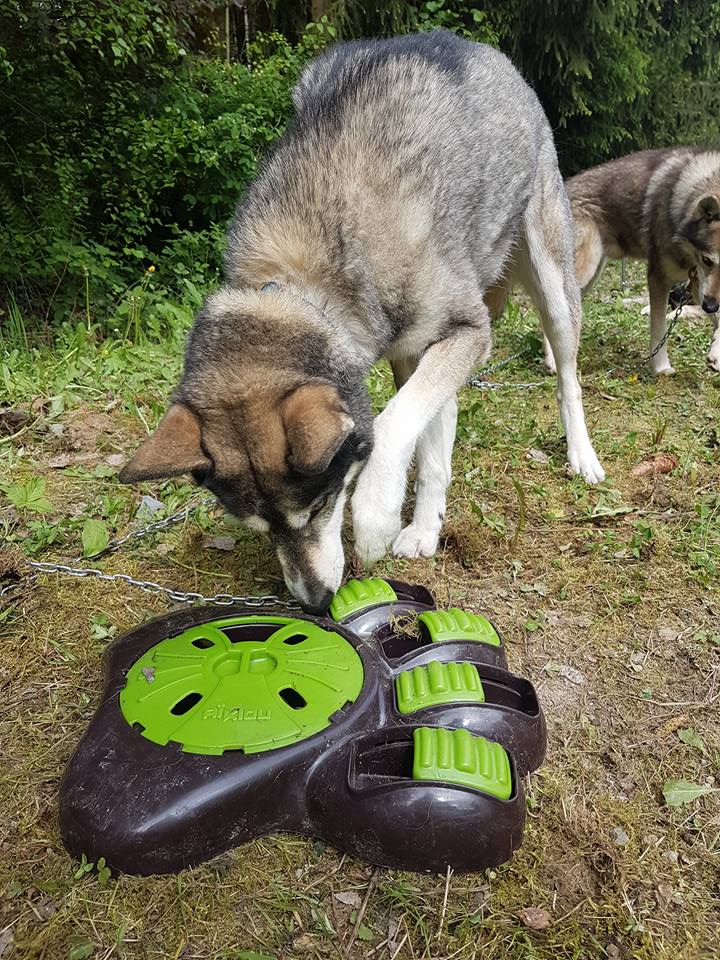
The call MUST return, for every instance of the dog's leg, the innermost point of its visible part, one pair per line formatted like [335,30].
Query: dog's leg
[561,323]
[433,468]
[713,357]
[590,262]
[496,298]
[433,471]
[547,271]
[433,465]
[658,288]
[550,364]
[426,397]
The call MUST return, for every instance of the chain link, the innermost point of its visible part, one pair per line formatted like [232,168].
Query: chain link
[479,382]
[148,586]
[168,521]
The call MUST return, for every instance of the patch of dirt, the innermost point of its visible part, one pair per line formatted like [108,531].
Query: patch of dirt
[87,430]
[12,420]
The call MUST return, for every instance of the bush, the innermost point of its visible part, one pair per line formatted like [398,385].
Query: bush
[119,150]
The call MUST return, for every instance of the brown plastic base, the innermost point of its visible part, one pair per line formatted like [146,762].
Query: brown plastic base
[155,809]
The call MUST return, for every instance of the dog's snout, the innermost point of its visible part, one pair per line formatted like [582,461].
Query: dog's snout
[710,305]
[319,607]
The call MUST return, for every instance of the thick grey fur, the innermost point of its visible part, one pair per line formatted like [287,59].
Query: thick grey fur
[418,176]
[661,206]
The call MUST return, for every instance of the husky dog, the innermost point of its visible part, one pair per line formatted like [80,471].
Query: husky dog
[662,206]
[416,169]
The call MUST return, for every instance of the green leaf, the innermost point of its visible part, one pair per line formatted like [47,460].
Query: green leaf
[29,495]
[81,950]
[251,955]
[692,739]
[679,792]
[365,933]
[94,537]
[102,472]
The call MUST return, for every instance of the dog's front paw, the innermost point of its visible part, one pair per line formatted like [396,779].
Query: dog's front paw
[585,462]
[376,506]
[415,541]
[662,369]
[375,530]
[713,360]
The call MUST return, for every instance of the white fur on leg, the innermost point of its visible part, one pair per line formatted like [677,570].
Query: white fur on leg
[549,358]
[581,455]
[546,281]
[380,489]
[433,458]
[713,357]
[415,541]
[660,362]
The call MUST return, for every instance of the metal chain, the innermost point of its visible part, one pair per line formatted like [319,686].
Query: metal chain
[480,383]
[157,525]
[148,586]
[685,299]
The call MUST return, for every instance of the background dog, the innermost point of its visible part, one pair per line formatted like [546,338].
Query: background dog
[416,173]
[662,206]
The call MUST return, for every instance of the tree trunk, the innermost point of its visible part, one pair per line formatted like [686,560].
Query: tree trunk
[319,9]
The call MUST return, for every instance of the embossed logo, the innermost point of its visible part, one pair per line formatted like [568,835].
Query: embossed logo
[230,714]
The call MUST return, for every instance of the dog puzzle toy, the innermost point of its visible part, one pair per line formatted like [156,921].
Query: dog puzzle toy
[391,729]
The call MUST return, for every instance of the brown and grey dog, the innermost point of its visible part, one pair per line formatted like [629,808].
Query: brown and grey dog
[662,206]
[416,170]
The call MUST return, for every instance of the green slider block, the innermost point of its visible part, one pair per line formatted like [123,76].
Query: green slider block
[438,683]
[456,624]
[358,595]
[458,757]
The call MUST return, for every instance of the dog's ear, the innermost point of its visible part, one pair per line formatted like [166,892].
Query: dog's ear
[316,423]
[708,208]
[173,449]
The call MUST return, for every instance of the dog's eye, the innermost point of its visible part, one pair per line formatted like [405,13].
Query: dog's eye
[708,262]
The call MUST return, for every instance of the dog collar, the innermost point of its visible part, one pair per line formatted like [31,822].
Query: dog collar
[270,287]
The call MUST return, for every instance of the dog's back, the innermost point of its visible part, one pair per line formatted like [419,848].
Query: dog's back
[409,156]
[661,206]
[635,198]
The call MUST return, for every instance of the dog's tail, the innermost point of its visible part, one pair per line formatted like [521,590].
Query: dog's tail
[589,250]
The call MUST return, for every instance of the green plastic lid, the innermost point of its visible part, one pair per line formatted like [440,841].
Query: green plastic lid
[358,595]
[457,624]
[438,683]
[456,756]
[221,686]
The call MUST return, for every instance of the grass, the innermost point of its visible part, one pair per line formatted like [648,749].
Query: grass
[607,598]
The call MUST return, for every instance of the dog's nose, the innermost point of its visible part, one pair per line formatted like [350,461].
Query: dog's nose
[710,305]
[320,607]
